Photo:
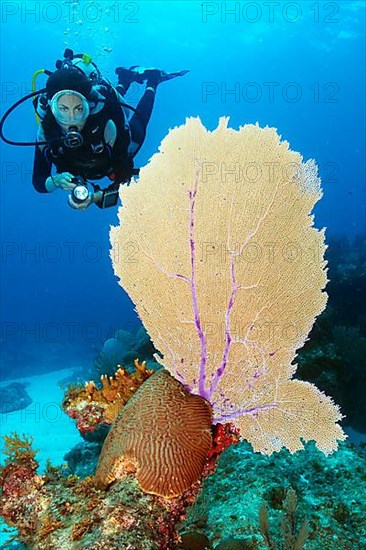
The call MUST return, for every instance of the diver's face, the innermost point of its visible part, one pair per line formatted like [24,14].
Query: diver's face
[71,111]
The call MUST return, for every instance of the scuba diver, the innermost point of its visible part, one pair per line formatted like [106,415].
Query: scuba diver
[86,131]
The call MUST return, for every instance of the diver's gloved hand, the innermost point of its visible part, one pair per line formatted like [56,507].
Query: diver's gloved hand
[64,181]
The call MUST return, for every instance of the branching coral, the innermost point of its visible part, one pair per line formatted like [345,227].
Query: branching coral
[91,406]
[19,470]
[18,448]
[19,483]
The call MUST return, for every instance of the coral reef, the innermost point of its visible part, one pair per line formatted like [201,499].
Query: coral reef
[233,544]
[194,540]
[331,494]
[93,407]
[56,510]
[83,458]
[19,483]
[18,448]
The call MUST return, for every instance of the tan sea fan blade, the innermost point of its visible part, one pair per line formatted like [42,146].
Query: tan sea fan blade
[217,249]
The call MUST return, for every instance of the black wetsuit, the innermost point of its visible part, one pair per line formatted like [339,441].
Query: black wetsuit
[94,159]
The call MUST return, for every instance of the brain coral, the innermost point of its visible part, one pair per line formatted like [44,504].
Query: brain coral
[163,434]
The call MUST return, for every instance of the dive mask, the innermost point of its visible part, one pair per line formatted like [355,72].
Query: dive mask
[70,108]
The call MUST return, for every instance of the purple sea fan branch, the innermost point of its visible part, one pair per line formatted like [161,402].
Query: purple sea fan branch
[241,411]
[197,320]
[220,371]
[159,266]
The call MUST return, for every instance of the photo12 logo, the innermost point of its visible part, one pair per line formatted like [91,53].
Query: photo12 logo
[270,92]
[269,12]
[69,12]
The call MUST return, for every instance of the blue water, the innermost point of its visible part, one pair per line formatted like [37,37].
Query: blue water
[293,65]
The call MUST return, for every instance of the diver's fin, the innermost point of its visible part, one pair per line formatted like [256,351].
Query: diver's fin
[169,76]
[155,74]
[127,76]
